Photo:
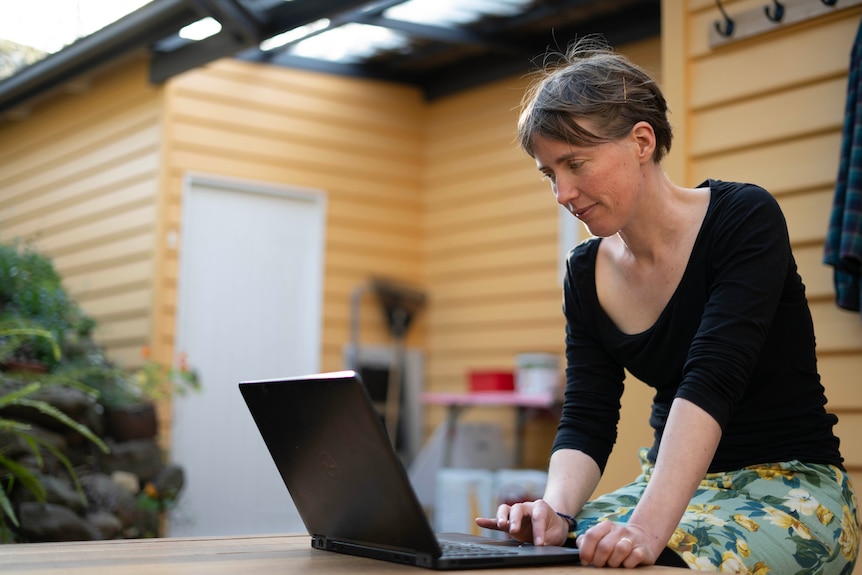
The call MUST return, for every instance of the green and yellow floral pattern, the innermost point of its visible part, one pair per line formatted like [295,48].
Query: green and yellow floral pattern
[786,518]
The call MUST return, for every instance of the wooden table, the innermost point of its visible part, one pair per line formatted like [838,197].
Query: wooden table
[258,555]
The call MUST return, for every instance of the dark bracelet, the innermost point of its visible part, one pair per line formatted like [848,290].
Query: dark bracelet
[573,524]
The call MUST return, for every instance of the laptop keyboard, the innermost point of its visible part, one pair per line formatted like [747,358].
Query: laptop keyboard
[470,550]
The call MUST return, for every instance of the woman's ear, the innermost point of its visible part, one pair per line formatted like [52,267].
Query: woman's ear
[644,137]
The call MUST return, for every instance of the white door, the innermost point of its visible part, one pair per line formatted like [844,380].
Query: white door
[249,307]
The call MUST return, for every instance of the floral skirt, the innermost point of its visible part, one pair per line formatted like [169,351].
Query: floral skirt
[787,518]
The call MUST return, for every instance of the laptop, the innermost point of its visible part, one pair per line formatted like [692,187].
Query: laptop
[351,490]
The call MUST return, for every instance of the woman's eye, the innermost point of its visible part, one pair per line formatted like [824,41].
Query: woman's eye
[547,176]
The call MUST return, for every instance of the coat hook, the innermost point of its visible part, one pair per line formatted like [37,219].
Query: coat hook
[778,15]
[725,28]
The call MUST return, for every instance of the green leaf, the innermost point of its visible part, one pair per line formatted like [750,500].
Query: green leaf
[33,443]
[27,478]
[69,469]
[13,397]
[52,411]
[13,426]
[6,507]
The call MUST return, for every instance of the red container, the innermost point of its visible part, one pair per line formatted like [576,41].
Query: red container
[492,381]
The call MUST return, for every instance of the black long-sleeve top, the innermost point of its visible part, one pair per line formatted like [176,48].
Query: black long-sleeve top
[736,339]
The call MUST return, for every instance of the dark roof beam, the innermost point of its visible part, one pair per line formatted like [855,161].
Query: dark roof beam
[286,16]
[239,22]
[436,33]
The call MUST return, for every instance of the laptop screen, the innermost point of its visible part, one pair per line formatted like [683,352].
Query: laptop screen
[334,456]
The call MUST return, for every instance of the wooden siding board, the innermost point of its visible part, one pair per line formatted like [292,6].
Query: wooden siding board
[123,332]
[477,165]
[816,275]
[850,426]
[807,215]
[120,93]
[94,199]
[505,203]
[519,179]
[281,170]
[808,163]
[839,374]
[782,61]
[493,260]
[512,337]
[265,90]
[110,226]
[132,302]
[53,177]
[540,306]
[131,273]
[510,231]
[823,103]
[110,250]
[837,330]
[355,160]
[230,118]
[380,95]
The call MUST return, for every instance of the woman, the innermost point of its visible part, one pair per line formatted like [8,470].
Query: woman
[695,292]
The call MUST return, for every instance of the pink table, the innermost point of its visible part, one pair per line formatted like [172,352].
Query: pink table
[523,403]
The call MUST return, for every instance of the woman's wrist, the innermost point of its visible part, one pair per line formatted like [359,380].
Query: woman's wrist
[571,521]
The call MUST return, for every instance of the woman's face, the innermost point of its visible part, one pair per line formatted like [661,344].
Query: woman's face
[597,184]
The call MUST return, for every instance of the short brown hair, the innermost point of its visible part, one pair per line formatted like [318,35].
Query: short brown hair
[593,82]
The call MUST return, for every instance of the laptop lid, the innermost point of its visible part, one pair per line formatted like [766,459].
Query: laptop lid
[335,458]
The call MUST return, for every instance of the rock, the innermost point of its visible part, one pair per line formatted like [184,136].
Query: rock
[57,491]
[143,457]
[126,480]
[104,494]
[107,524]
[52,522]
[168,483]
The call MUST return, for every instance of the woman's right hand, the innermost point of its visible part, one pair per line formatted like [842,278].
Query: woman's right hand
[531,522]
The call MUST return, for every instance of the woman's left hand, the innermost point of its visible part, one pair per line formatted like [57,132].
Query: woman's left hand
[610,544]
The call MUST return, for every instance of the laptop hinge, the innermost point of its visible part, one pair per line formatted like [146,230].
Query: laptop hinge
[364,550]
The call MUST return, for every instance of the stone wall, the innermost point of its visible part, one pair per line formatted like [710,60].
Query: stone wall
[119,494]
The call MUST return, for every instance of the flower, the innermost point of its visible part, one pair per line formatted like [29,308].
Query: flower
[801,501]
[771,472]
[732,563]
[824,515]
[682,541]
[156,381]
[849,538]
[746,522]
[705,513]
[698,563]
[782,519]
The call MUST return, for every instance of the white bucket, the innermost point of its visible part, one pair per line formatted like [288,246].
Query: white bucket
[537,373]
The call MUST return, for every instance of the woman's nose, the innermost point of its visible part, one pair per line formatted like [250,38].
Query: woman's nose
[566,194]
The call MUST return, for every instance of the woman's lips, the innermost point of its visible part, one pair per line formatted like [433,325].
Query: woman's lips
[580,213]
